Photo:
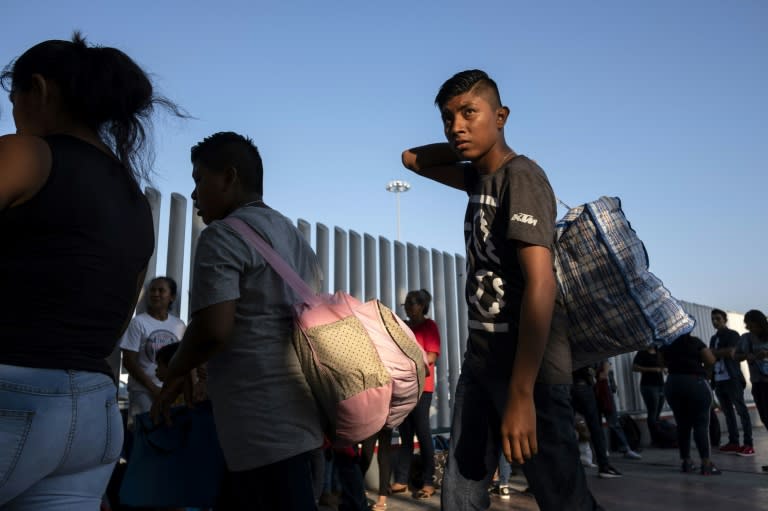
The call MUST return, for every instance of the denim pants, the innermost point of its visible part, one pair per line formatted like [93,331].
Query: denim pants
[417,422]
[60,435]
[730,394]
[690,398]
[612,419]
[585,403]
[555,475]
[285,485]
[653,397]
[760,393]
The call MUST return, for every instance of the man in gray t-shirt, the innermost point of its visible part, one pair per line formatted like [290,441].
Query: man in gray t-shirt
[241,325]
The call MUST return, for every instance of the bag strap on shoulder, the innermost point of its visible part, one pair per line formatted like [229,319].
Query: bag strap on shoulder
[274,259]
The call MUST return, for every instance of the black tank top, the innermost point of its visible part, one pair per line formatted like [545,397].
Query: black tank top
[70,258]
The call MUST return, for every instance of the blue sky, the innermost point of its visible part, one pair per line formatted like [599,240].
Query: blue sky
[664,104]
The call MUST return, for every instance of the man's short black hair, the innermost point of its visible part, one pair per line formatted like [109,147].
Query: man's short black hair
[465,81]
[226,150]
[721,313]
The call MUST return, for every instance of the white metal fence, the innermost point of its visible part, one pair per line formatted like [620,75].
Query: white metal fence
[370,267]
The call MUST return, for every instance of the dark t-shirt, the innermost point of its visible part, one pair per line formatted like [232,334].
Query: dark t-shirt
[515,203]
[727,338]
[684,356]
[70,262]
[646,359]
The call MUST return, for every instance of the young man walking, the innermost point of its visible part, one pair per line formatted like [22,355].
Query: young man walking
[514,388]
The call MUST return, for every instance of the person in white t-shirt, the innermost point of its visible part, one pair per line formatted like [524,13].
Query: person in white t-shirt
[146,334]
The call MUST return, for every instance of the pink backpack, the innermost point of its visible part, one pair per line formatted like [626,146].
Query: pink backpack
[363,364]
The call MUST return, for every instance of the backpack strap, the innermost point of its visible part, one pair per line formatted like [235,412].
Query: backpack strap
[289,275]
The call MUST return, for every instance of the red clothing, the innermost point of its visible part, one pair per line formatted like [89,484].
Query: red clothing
[429,339]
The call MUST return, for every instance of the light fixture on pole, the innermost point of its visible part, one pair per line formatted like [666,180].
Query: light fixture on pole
[397,187]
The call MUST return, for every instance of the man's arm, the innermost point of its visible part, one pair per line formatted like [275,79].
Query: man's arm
[437,162]
[209,332]
[644,369]
[729,340]
[518,427]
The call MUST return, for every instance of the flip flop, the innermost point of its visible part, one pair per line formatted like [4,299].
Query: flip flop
[398,488]
[424,493]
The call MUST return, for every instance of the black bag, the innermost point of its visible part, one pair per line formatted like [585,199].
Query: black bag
[631,431]
[441,456]
[665,435]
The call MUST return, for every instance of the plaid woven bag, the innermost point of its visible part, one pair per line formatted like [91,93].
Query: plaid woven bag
[614,304]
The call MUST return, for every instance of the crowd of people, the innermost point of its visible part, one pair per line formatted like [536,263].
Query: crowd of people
[82,115]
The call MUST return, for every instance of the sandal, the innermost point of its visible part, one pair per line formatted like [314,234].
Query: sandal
[378,507]
[398,488]
[424,493]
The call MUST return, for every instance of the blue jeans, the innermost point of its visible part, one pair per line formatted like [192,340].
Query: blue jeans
[352,485]
[612,419]
[585,403]
[284,485]
[653,397]
[730,394]
[505,470]
[417,422]
[555,474]
[690,398]
[60,435]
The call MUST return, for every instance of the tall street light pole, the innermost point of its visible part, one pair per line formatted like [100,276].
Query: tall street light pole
[397,187]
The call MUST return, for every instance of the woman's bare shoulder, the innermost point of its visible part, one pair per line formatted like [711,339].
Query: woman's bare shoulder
[25,164]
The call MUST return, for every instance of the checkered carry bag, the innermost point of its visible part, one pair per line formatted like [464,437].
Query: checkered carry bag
[614,304]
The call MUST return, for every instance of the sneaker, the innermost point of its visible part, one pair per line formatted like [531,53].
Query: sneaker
[746,450]
[730,448]
[710,470]
[587,463]
[504,492]
[688,467]
[608,472]
[632,455]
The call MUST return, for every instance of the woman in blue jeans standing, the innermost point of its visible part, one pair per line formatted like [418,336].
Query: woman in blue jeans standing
[77,236]
[690,397]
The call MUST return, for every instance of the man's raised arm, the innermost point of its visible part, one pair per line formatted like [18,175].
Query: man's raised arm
[437,162]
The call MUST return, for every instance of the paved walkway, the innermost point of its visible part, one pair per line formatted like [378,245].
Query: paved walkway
[655,482]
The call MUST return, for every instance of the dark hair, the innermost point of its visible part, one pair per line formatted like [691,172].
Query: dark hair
[100,87]
[755,316]
[165,354]
[720,312]
[225,150]
[465,81]
[422,297]
[171,286]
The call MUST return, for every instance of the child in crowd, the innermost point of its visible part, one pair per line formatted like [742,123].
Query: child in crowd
[162,359]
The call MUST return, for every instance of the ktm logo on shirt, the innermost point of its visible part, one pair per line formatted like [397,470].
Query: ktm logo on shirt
[524,219]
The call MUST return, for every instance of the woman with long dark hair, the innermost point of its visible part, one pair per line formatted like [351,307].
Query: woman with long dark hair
[77,236]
